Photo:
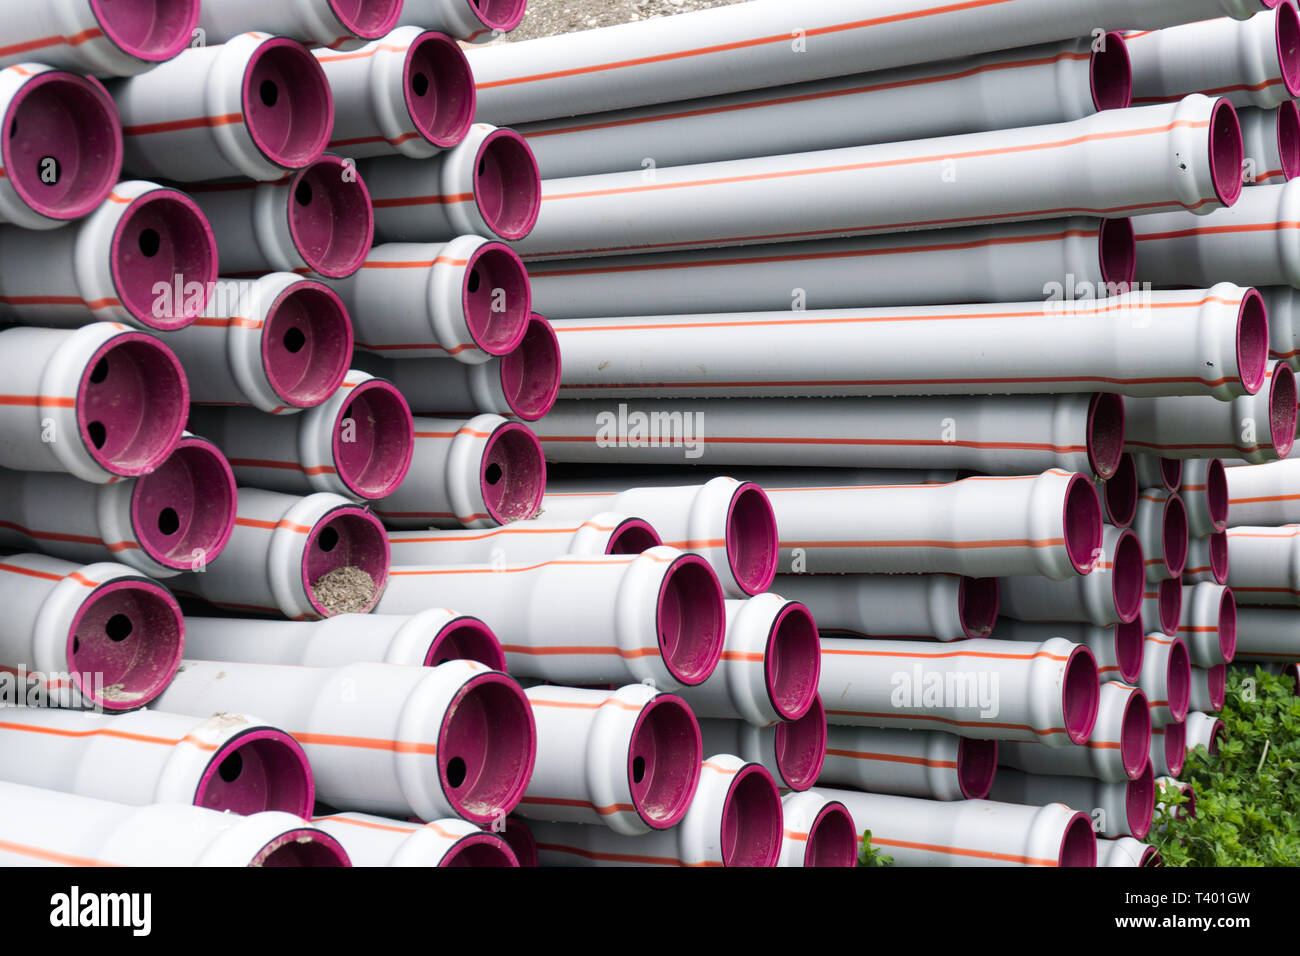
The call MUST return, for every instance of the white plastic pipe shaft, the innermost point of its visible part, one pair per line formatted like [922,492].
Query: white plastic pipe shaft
[281,548]
[1205,731]
[817,832]
[1125,808]
[1001,435]
[93,36]
[1209,689]
[279,344]
[1048,524]
[485,185]
[997,690]
[337,23]
[1264,494]
[1182,156]
[224,762]
[1166,679]
[1161,526]
[426,639]
[524,542]
[479,473]
[1207,559]
[379,841]
[1195,342]
[1271,138]
[467,299]
[44,828]
[1208,623]
[1118,649]
[735,819]
[524,382]
[1283,305]
[62,145]
[628,759]
[316,220]
[1264,564]
[1010,262]
[1126,851]
[453,740]
[1268,634]
[910,763]
[408,93]
[1204,490]
[470,21]
[1169,749]
[1034,86]
[971,832]
[358,443]
[946,607]
[793,751]
[654,616]
[255,107]
[86,636]
[1116,751]
[1254,62]
[176,518]
[1111,593]
[729,523]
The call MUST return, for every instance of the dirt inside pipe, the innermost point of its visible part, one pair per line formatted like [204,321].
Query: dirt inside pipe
[345,590]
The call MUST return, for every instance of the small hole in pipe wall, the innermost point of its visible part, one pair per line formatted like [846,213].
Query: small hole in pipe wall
[269,92]
[294,340]
[494,474]
[118,627]
[420,84]
[231,768]
[98,434]
[303,193]
[328,540]
[99,372]
[474,281]
[169,522]
[482,166]
[150,243]
[638,769]
[456,772]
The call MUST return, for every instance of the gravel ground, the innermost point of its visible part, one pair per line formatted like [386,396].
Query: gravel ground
[547,17]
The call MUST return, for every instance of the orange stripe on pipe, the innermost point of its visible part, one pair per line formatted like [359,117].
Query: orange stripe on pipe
[173,126]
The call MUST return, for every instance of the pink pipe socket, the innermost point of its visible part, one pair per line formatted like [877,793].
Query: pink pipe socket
[467,299]
[942,606]
[146,258]
[110,402]
[1161,526]
[1119,493]
[256,106]
[1117,648]
[524,542]
[358,443]
[61,147]
[1120,809]
[409,93]
[486,185]
[817,832]
[1263,495]
[1205,731]
[1162,604]
[226,762]
[1169,748]
[628,759]
[1159,472]
[342,24]
[1266,634]
[98,36]
[480,473]
[1264,564]
[523,383]
[470,21]
[1208,623]
[1207,559]
[317,220]
[1272,144]
[294,543]
[1111,593]
[379,841]
[910,763]
[87,636]
[1166,679]
[654,616]
[1209,686]
[735,819]
[454,740]
[793,751]
[426,639]
[1126,851]
[1205,496]
[176,518]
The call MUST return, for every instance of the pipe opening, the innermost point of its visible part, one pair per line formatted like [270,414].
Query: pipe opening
[752,822]
[1169,600]
[374,440]
[163,240]
[1228,625]
[1081,522]
[480,850]
[1111,74]
[1288,139]
[530,375]
[1218,681]
[513,475]
[368,19]
[1080,694]
[184,512]
[1128,577]
[150,30]
[132,404]
[1140,801]
[439,89]
[1171,473]
[306,344]
[507,185]
[1105,438]
[1178,680]
[977,765]
[1078,843]
[1217,545]
[129,633]
[288,107]
[752,543]
[664,760]
[1118,249]
[1281,419]
[466,639]
[1216,487]
[1130,643]
[977,605]
[1217,733]
[259,770]
[1175,747]
[792,661]
[347,537]
[690,620]
[331,219]
[497,298]
[486,748]
[801,747]
[302,848]
[832,838]
[1174,536]
[520,840]
[1135,734]
[1252,342]
[1227,152]
[633,536]
[1120,492]
[1288,47]
[503,15]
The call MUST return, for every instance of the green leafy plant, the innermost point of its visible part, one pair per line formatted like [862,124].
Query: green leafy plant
[1247,795]
[869,855]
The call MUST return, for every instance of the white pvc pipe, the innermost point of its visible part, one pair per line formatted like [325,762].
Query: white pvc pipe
[1208,623]
[175,518]
[1272,144]
[628,759]
[44,828]
[1255,62]
[1205,731]
[1169,749]
[315,220]
[86,636]
[1166,679]
[587,619]
[1264,494]
[479,473]
[1162,604]
[1110,593]
[330,23]
[378,841]
[1033,86]
[226,762]
[432,742]
[1118,809]
[1008,262]
[409,93]
[485,185]
[62,146]
[1117,751]
[1182,156]
[771,659]
[470,21]
[1118,649]
[998,690]
[92,36]
[281,548]
[1161,526]
[358,443]
[426,639]
[715,51]
[910,763]
[1196,342]
[735,819]
[524,382]
[1268,634]
[1001,435]
[1209,685]
[729,523]
[523,542]
[817,832]
[1263,566]
[793,751]
[1047,524]
[467,299]
[945,607]
[1204,491]
[1207,559]
[971,832]
[1126,851]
